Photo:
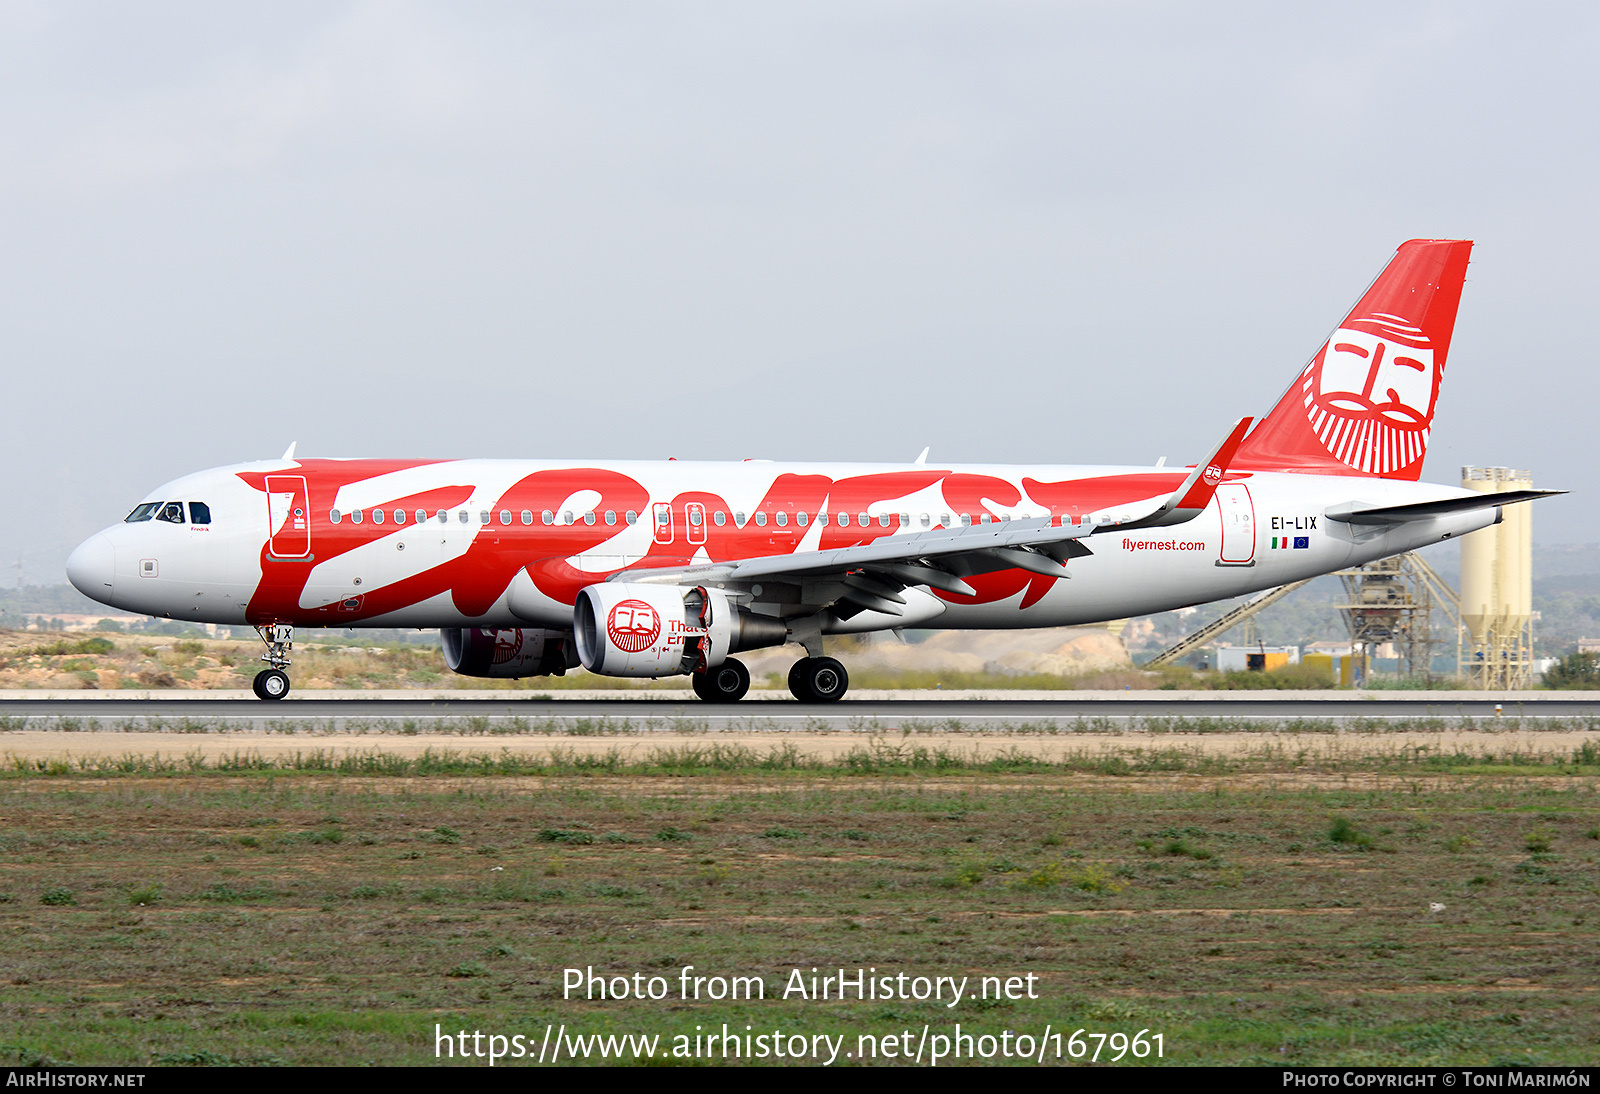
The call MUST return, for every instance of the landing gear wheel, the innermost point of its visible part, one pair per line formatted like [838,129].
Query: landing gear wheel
[818,680]
[271,684]
[726,683]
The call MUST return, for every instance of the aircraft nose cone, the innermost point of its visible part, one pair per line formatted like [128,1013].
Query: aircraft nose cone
[93,567]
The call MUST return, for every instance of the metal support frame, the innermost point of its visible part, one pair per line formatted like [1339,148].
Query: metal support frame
[1226,623]
[279,639]
[1392,601]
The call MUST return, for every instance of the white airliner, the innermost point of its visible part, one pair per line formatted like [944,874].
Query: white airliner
[651,569]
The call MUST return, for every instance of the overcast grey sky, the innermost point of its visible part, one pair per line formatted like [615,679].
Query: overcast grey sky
[1085,233]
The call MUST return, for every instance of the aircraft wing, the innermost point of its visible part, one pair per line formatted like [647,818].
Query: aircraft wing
[872,575]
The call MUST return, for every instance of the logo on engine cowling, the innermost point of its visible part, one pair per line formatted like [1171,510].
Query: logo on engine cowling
[633,626]
[507,644]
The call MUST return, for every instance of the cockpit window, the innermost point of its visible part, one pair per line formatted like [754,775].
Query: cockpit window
[199,513]
[172,511]
[147,511]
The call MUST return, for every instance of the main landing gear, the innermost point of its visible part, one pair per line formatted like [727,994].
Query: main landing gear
[273,683]
[726,683]
[818,680]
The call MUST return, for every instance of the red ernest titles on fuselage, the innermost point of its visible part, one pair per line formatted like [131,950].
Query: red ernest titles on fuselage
[478,577]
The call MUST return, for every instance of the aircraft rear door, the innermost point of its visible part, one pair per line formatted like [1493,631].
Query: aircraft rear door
[288,516]
[1238,524]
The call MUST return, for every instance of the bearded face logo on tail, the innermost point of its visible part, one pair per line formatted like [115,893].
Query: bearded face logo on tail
[1365,403]
[1370,393]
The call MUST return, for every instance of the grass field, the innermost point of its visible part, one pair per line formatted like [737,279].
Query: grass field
[1263,912]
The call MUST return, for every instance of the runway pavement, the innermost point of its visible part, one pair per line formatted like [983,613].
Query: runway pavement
[869,711]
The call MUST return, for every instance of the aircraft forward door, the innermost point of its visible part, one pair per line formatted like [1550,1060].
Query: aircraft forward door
[288,516]
[663,522]
[1238,524]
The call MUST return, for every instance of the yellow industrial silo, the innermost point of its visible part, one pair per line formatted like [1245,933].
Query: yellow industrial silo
[1497,588]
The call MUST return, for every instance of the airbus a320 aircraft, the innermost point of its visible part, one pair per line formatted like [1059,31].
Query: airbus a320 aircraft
[532,567]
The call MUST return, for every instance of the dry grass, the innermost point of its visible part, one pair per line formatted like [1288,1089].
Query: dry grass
[255,918]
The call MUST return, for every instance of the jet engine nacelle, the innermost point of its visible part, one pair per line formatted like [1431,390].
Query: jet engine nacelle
[507,653]
[664,630]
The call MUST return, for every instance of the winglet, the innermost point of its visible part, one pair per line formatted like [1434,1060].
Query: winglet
[1190,499]
[288,453]
[1196,491]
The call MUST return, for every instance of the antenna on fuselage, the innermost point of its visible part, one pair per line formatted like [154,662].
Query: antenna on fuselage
[288,453]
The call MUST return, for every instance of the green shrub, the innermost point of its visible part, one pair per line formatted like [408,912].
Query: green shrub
[1574,672]
[1343,831]
[59,897]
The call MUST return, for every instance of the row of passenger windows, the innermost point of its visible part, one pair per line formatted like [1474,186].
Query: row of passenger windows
[171,512]
[663,517]
[485,516]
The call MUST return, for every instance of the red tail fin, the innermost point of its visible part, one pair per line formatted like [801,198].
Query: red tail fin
[1365,403]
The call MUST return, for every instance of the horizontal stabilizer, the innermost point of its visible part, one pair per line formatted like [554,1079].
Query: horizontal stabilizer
[1426,510]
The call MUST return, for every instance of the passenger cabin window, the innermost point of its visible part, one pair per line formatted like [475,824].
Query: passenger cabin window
[422,516]
[146,511]
[464,516]
[334,516]
[399,516]
[633,517]
[199,513]
[782,518]
[355,516]
[547,517]
[720,518]
[527,516]
[588,518]
[172,512]
[505,516]
[611,516]
[800,518]
[761,520]
[377,516]
[483,516]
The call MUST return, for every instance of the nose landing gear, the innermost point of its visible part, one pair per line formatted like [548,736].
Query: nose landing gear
[273,683]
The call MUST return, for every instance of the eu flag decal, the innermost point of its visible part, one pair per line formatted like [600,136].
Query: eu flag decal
[1302,542]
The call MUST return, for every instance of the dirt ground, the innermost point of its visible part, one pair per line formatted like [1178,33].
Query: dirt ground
[35,745]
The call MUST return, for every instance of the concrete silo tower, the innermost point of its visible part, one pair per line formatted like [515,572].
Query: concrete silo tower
[1497,588]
